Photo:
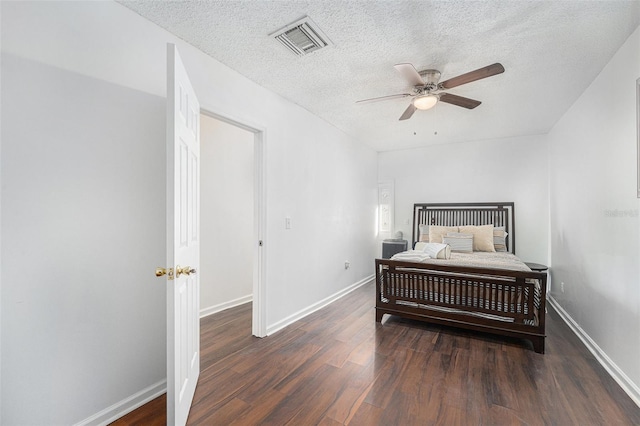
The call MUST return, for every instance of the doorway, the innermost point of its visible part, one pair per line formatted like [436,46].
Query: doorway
[232,214]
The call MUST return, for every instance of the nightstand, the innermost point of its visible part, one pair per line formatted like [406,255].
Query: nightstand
[537,267]
[391,247]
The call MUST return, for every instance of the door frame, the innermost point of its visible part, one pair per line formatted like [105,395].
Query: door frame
[259,310]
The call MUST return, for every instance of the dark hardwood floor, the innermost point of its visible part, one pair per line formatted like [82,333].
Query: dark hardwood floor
[338,366]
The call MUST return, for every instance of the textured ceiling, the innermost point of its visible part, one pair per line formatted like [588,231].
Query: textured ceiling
[551,50]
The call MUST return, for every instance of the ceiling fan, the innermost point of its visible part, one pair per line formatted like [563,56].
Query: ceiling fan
[427,90]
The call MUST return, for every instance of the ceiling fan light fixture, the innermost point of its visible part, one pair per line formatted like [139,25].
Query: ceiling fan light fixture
[425,101]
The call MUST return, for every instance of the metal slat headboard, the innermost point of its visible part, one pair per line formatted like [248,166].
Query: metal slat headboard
[460,214]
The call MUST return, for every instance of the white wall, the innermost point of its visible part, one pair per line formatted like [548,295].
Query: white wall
[82,231]
[226,219]
[511,169]
[315,174]
[595,229]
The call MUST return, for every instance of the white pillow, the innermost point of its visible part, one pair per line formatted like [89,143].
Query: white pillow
[459,242]
[435,250]
[420,245]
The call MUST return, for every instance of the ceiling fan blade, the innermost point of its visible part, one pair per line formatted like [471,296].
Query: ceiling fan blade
[384,98]
[478,74]
[459,101]
[408,112]
[410,74]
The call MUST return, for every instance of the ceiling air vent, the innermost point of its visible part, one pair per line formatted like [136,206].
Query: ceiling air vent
[302,37]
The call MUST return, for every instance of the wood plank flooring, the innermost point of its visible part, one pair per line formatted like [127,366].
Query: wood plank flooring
[338,366]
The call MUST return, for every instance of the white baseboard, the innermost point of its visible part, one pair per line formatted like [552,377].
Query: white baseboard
[316,306]
[222,306]
[614,371]
[127,405]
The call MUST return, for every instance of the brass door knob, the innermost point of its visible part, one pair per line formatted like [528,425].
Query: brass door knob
[164,271]
[186,270]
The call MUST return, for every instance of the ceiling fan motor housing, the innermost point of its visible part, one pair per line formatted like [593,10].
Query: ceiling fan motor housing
[430,78]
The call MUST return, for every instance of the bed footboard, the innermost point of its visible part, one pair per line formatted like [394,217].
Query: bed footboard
[503,302]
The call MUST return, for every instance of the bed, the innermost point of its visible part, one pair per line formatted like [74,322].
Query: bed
[493,292]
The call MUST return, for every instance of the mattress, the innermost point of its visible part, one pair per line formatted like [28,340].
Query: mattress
[481,259]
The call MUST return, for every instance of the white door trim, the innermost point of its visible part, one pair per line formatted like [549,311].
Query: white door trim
[259,311]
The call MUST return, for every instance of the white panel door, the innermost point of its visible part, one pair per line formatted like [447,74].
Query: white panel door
[183,242]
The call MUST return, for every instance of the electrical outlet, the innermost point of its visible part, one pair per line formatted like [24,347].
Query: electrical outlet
[562,286]
[347,264]
[287,223]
